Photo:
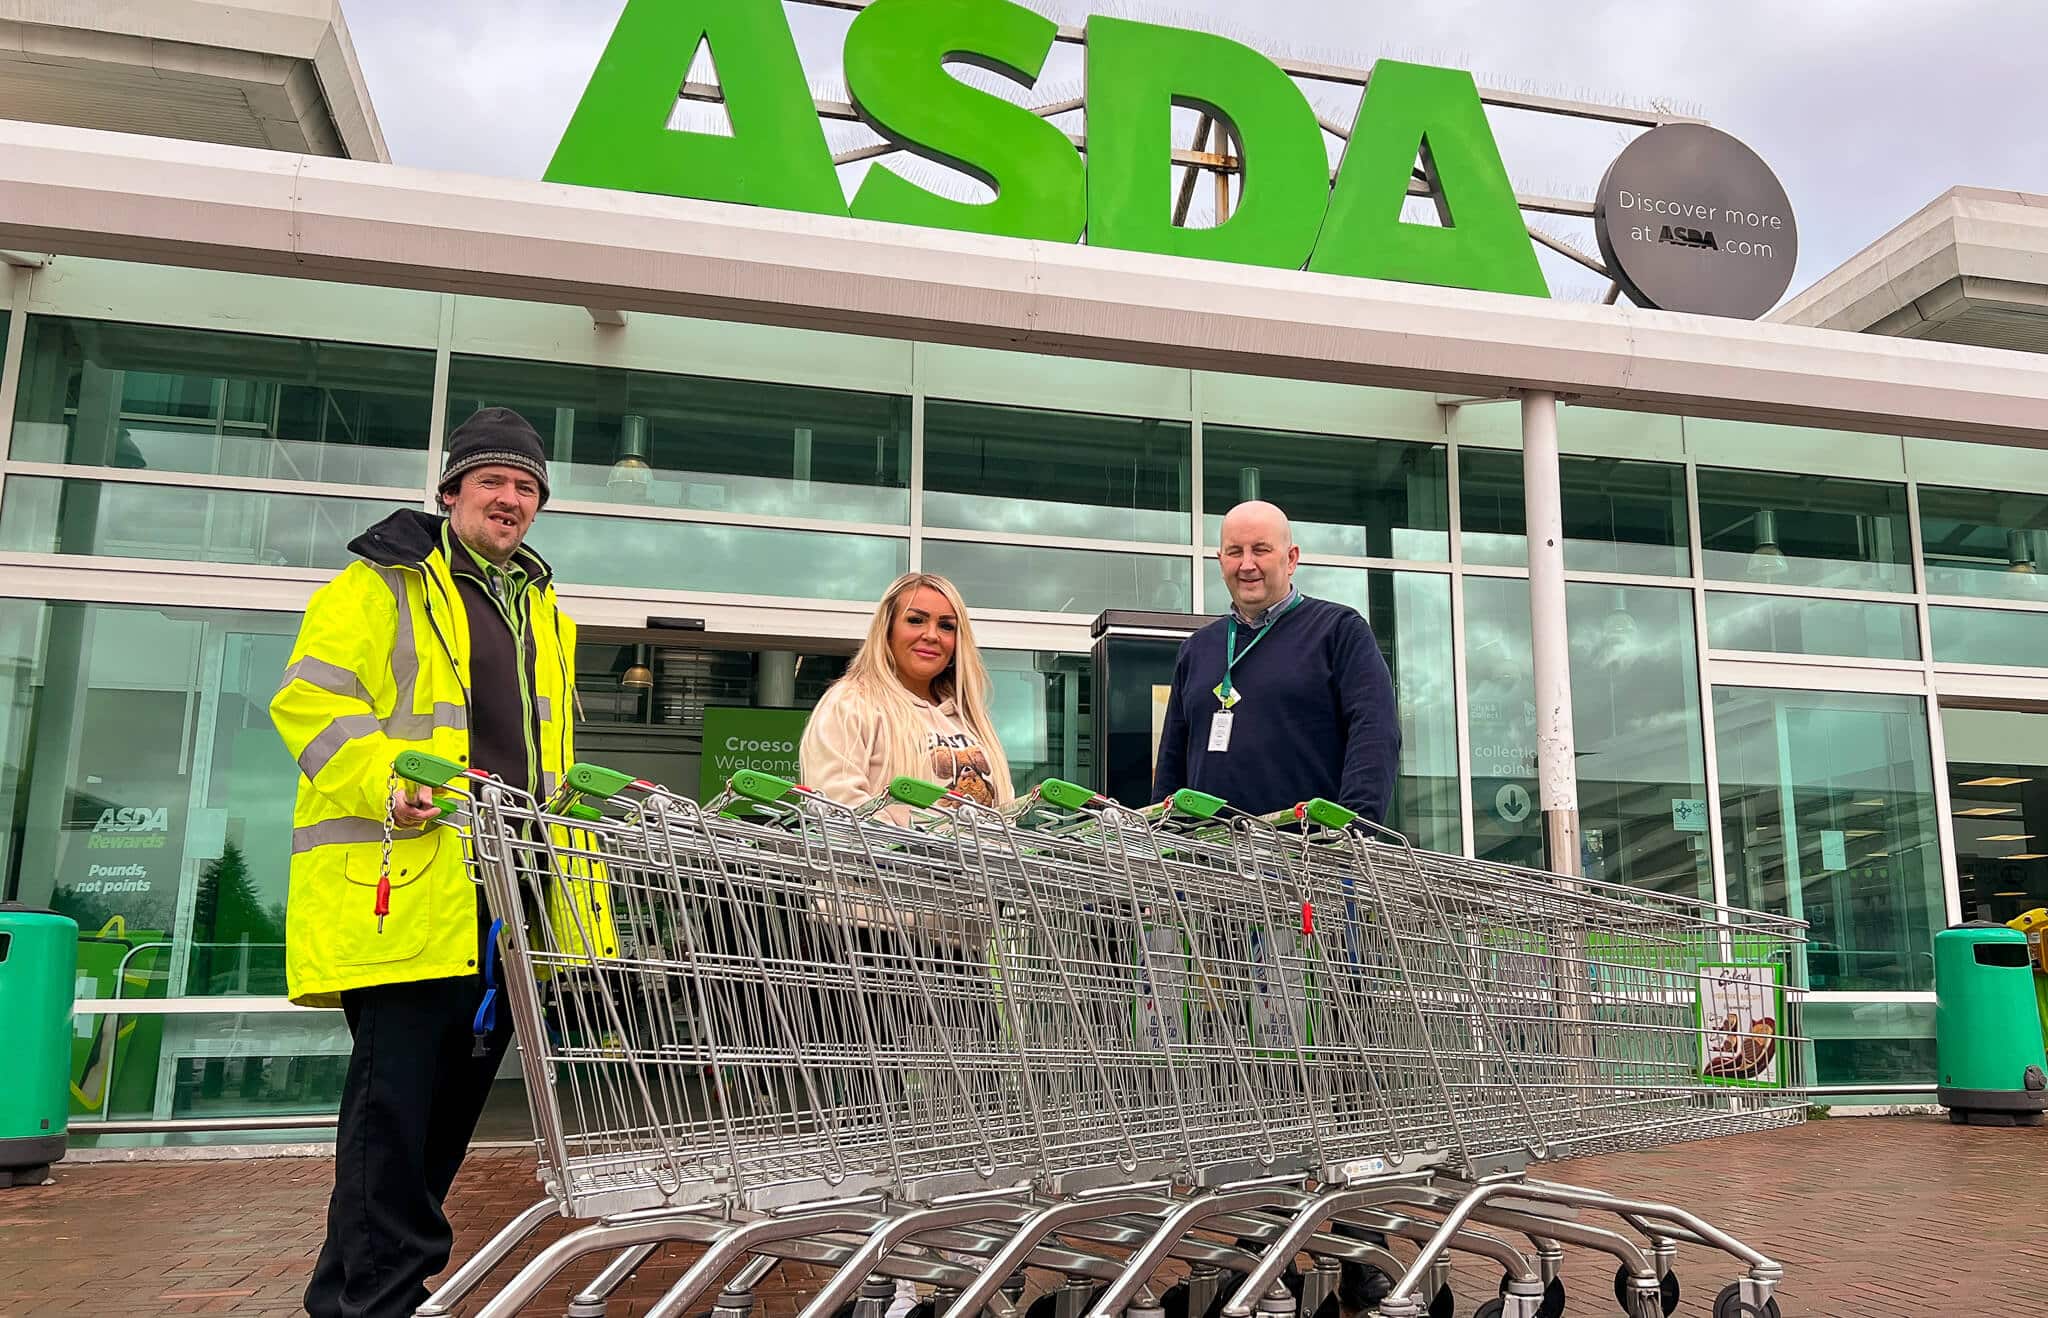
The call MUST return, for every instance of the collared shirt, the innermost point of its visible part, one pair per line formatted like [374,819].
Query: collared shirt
[504,728]
[1250,620]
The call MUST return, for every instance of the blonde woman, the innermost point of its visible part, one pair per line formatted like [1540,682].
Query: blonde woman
[913,704]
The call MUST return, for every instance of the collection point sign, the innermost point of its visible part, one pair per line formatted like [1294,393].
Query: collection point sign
[1291,214]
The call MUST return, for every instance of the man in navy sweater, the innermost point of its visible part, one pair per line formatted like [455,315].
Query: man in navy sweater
[1283,699]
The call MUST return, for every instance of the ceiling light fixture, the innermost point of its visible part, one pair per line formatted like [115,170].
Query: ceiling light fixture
[2019,553]
[1767,561]
[631,478]
[1995,782]
[1987,811]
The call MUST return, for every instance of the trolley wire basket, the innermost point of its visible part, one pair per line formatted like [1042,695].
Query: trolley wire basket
[925,1039]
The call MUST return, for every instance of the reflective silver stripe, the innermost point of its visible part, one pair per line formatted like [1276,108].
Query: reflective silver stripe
[547,783]
[418,727]
[404,724]
[330,832]
[405,655]
[546,708]
[331,678]
[322,749]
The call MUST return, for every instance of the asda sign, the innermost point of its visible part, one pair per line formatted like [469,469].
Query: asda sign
[1291,215]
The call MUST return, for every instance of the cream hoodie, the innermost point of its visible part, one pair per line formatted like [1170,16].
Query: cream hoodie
[843,758]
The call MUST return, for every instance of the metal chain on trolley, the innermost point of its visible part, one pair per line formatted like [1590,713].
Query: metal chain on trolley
[383,907]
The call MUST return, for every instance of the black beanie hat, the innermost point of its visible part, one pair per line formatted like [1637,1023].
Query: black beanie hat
[495,437]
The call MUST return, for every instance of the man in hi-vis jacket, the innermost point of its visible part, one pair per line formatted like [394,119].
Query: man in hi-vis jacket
[444,636]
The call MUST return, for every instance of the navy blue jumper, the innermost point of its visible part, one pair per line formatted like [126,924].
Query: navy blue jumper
[1315,716]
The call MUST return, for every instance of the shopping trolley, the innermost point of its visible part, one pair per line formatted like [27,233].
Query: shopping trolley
[1085,1039]
[1515,1026]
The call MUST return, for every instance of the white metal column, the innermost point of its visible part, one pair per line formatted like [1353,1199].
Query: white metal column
[1543,504]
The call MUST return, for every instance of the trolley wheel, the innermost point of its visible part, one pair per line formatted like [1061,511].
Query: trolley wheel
[1490,1309]
[1048,1304]
[1668,1288]
[1361,1286]
[1553,1298]
[924,1309]
[1175,1300]
[1226,1286]
[1444,1304]
[1728,1304]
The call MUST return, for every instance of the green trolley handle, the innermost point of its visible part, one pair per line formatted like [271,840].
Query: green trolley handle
[1201,805]
[762,788]
[424,770]
[1327,813]
[1068,796]
[918,793]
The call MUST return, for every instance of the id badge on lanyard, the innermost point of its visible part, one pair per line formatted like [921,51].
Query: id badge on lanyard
[1228,695]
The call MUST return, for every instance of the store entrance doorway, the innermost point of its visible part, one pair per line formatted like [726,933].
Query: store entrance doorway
[646,697]
[1998,801]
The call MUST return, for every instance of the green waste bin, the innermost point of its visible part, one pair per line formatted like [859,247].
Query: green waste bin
[1987,1031]
[38,957]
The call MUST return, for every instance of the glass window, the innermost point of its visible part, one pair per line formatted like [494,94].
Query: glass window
[1018,471]
[2003,637]
[208,1064]
[106,394]
[1619,516]
[1984,543]
[1867,1043]
[1087,581]
[683,441]
[642,553]
[1827,814]
[1042,706]
[1998,797]
[1363,498]
[1410,613]
[148,797]
[1783,624]
[1636,720]
[43,515]
[1804,530]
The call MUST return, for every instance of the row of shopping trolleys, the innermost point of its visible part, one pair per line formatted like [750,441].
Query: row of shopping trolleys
[1121,1061]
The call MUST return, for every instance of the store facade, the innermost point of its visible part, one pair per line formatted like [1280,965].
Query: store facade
[1805,634]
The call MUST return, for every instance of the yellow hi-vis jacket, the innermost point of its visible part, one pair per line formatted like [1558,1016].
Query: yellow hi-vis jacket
[382,666]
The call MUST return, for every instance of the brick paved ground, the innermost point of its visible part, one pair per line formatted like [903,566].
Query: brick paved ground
[1874,1218]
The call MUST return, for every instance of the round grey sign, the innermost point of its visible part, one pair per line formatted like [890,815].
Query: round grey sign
[1689,219]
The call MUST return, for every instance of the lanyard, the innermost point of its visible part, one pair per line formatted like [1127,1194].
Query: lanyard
[1232,658]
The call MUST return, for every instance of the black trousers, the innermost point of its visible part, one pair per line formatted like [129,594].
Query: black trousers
[414,1091]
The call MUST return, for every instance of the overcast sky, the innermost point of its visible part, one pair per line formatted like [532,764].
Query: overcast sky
[1866,109]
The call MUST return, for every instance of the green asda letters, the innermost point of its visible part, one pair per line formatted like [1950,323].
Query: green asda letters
[896,56]
[895,53]
[1136,74]
[619,136]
